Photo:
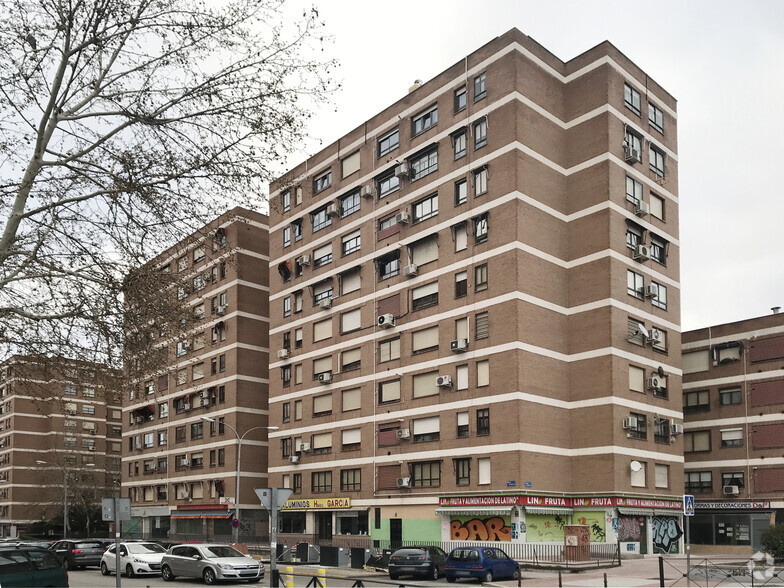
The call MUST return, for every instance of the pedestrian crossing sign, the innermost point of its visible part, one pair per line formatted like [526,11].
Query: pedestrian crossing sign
[688,505]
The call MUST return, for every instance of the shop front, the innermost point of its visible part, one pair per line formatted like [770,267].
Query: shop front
[731,527]
[323,521]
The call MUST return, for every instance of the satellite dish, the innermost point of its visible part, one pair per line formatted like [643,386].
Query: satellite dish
[641,330]
[660,371]
[636,466]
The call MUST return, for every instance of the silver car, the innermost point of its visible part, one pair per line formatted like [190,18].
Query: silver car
[211,562]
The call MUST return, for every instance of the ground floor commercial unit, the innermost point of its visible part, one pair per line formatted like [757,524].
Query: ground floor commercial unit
[732,527]
[195,522]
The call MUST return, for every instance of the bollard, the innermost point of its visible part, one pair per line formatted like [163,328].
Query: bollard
[605,579]
[322,576]
[560,582]
[289,577]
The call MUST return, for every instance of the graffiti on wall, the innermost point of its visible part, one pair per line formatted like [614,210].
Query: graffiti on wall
[473,529]
[629,529]
[544,527]
[666,533]
[594,520]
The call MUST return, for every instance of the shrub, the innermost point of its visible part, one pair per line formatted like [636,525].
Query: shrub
[773,541]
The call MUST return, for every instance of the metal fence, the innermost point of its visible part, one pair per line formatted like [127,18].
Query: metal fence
[758,571]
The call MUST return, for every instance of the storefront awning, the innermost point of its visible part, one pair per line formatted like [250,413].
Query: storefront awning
[548,510]
[636,512]
[201,514]
[666,512]
[474,510]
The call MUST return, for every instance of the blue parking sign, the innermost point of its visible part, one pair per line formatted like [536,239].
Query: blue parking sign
[688,505]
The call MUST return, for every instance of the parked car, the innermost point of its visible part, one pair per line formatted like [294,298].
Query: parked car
[426,561]
[30,566]
[136,558]
[482,563]
[77,553]
[34,543]
[212,562]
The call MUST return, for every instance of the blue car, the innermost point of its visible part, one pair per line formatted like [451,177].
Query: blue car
[480,563]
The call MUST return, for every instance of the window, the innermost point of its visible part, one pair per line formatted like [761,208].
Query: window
[483,373]
[285,375]
[296,483]
[424,340]
[696,441]
[656,161]
[424,121]
[732,479]
[657,207]
[351,320]
[633,190]
[640,430]
[322,291]
[633,144]
[482,326]
[480,133]
[480,181]
[655,117]
[462,424]
[462,471]
[696,361]
[321,482]
[661,430]
[460,98]
[349,203]
[322,182]
[286,416]
[480,86]
[459,140]
[298,338]
[636,379]
[182,264]
[197,431]
[631,99]
[389,265]
[461,192]
[322,366]
[386,223]
[461,284]
[350,281]
[698,482]
[351,399]
[658,250]
[633,238]
[426,429]
[426,474]
[297,410]
[480,277]
[660,300]
[388,183]
[424,296]
[297,226]
[424,251]
[483,464]
[179,435]
[424,163]
[388,142]
[350,479]
[88,409]
[320,219]
[635,284]
[389,391]
[696,401]
[351,360]
[350,164]
[731,437]
[351,440]
[425,208]
[322,405]
[389,350]
[728,396]
[285,200]
[480,228]
[425,384]
[322,256]
[462,377]
[483,421]
[70,390]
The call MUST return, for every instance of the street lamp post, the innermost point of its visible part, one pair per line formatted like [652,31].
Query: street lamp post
[235,532]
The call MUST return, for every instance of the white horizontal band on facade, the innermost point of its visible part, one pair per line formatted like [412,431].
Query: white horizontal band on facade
[224,474]
[733,463]
[481,450]
[190,389]
[187,448]
[422,102]
[730,380]
[707,343]
[730,422]
[153,427]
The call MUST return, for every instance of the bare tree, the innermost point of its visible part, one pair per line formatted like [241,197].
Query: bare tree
[124,125]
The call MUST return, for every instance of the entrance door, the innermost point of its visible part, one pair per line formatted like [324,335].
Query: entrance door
[324,522]
[758,524]
[395,533]
[643,535]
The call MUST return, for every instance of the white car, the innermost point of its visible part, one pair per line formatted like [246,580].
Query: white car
[136,558]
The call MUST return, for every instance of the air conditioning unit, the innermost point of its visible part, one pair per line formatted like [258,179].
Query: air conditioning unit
[459,345]
[294,458]
[325,303]
[221,310]
[186,406]
[642,253]
[404,482]
[325,378]
[139,419]
[283,353]
[444,381]
[630,423]
[91,448]
[676,428]
[332,210]
[403,433]
[205,400]
[93,431]
[651,290]
[304,447]
[653,384]
[410,271]
[655,337]
[731,490]
[303,260]
[642,209]
[386,321]
[185,462]
[402,218]
[401,170]
[630,154]
[368,191]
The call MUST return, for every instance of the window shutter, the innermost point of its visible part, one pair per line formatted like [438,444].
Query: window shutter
[322,403]
[351,320]
[482,326]
[322,441]
[322,330]
[425,384]
[351,436]
[425,339]
[426,425]
[425,250]
[323,364]
[352,399]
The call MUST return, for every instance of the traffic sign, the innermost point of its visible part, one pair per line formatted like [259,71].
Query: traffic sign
[235,523]
[688,505]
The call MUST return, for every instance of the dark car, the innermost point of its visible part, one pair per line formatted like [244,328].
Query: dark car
[481,563]
[425,561]
[77,553]
[30,566]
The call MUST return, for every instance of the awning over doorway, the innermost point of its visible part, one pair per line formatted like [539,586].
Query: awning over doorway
[201,514]
[636,512]
[475,510]
[548,510]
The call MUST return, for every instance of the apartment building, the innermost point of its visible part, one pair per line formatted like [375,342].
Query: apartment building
[60,433]
[733,392]
[475,311]
[200,396]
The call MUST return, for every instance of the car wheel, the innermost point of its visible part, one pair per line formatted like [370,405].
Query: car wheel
[451,579]
[209,576]
[516,574]
[434,575]
[129,571]
[105,569]
[393,576]
[488,577]
[166,573]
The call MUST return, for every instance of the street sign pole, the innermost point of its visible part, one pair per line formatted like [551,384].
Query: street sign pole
[688,512]
[116,509]
[273,500]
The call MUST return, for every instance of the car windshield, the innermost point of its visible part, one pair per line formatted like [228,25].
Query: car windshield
[145,548]
[221,551]
[465,555]
[89,545]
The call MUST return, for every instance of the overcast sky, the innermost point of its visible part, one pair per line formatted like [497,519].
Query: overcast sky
[721,60]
